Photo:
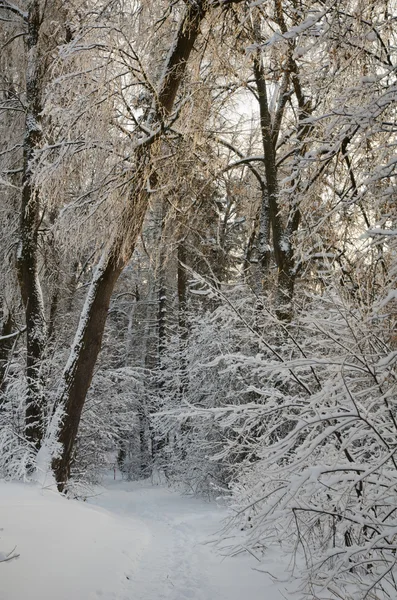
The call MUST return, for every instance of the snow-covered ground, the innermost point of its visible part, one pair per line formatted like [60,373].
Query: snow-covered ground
[132,541]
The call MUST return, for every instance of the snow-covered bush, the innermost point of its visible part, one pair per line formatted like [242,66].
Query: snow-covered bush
[16,454]
[298,423]
[110,426]
[322,475]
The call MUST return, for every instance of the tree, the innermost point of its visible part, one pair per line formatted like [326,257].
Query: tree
[78,372]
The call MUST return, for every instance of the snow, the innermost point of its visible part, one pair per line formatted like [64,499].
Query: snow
[43,474]
[67,549]
[131,540]
[297,30]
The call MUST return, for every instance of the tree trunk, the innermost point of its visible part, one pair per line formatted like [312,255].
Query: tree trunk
[263,242]
[145,466]
[182,286]
[162,290]
[182,320]
[79,370]
[78,373]
[29,224]
[283,251]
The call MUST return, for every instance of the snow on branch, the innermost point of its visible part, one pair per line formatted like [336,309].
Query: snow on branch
[5,5]
[10,556]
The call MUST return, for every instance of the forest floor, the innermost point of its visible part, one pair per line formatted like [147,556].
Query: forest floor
[130,541]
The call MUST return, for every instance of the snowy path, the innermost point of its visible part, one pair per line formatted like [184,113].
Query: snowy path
[132,541]
[177,563]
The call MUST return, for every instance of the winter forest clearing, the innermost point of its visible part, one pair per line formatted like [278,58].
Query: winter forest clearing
[198,279]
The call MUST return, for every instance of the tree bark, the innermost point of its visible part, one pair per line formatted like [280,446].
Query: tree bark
[27,259]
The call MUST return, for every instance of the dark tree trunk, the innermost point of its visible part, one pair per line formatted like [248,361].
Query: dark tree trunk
[182,289]
[264,250]
[162,318]
[29,225]
[282,246]
[79,370]
[144,443]
[162,291]
[182,317]
[186,36]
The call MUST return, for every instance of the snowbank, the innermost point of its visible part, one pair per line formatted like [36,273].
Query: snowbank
[68,550]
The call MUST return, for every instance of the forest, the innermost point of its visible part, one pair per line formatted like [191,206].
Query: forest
[198,209]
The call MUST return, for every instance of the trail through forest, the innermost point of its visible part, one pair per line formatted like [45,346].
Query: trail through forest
[128,541]
[178,562]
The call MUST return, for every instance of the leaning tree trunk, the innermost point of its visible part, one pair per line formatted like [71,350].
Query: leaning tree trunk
[29,226]
[79,370]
